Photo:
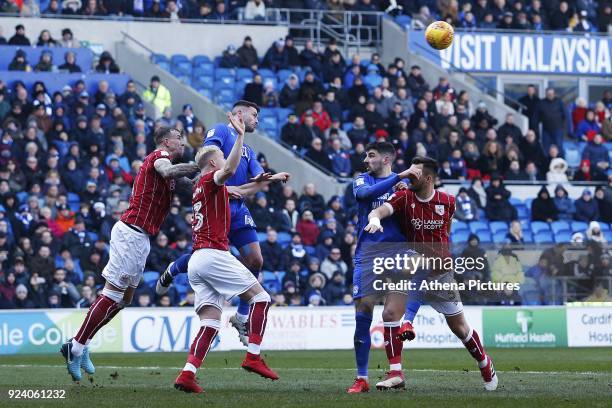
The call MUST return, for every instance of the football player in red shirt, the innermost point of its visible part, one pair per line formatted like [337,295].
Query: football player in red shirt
[425,215]
[214,273]
[129,245]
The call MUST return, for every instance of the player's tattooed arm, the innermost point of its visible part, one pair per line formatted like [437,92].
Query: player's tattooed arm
[376,215]
[174,171]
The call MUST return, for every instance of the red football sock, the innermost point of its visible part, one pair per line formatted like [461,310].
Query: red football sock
[110,317]
[97,316]
[393,345]
[201,344]
[258,316]
[474,346]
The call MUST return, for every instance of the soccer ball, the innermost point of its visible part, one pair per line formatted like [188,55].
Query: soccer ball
[439,35]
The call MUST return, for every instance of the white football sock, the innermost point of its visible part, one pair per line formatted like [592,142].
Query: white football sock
[77,348]
[242,318]
[254,348]
[395,367]
[484,362]
[190,367]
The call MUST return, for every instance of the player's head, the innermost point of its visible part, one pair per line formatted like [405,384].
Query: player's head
[379,157]
[429,168]
[249,112]
[170,140]
[209,158]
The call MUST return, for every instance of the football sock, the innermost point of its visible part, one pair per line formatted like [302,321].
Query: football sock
[180,265]
[393,346]
[202,343]
[97,316]
[474,347]
[362,342]
[412,308]
[258,316]
[110,317]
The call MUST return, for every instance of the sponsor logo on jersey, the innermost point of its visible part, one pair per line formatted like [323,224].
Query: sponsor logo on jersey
[210,133]
[355,290]
[360,181]
[249,221]
[439,209]
[418,223]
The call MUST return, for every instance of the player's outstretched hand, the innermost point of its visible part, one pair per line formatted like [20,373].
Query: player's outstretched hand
[237,122]
[233,193]
[282,176]
[260,178]
[413,172]
[373,226]
[400,186]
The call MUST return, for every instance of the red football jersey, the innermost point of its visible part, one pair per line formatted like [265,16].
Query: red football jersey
[424,221]
[211,214]
[151,196]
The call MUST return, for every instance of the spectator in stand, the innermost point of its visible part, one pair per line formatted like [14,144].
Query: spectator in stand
[220,13]
[560,18]
[255,10]
[307,228]
[161,254]
[292,53]
[594,234]
[515,233]
[597,154]
[290,92]
[320,116]
[311,200]
[491,159]
[587,209]
[416,82]
[272,252]
[188,118]
[68,39]
[507,268]
[587,127]
[276,58]
[318,155]
[543,207]
[341,164]
[66,291]
[466,209]
[107,64]
[253,92]
[551,114]
[557,172]
[229,58]
[565,205]
[333,68]
[70,64]
[248,54]
[263,215]
[498,207]
[19,62]
[311,89]
[310,57]
[158,95]
[45,40]
[579,112]
[529,103]
[333,263]
[45,63]
[19,38]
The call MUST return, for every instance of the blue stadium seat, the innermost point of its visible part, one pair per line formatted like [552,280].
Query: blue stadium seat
[572,156]
[157,58]
[203,82]
[527,237]
[184,67]
[515,201]
[563,236]
[523,212]
[282,114]
[608,235]
[164,65]
[74,207]
[268,275]
[459,225]
[225,72]
[372,81]
[92,236]
[310,250]
[224,85]
[403,20]
[347,126]
[244,73]
[224,95]
[543,237]
[186,79]
[266,73]
[579,226]
[150,278]
[482,215]
[204,70]
[500,237]
[528,202]
[282,76]
[73,198]
[206,92]
[22,196]
[538,226]
[498,226]
[284,238]
[485,236]
[530,292]
[477,226]
[199,60]
[176,58]
[560,226]
[262,236]
[604,227]
[459,236]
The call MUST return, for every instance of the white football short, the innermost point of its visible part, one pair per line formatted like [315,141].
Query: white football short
[128,255]
[217,276]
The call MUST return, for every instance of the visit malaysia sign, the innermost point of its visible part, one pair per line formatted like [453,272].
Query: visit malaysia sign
[520,53]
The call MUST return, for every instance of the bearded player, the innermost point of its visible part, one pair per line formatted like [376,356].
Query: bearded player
[129,245]
[243,233]
[214,273]
[425,216]
[371,190]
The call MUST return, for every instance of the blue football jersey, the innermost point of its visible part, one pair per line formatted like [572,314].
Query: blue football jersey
[371,193]
[224,136]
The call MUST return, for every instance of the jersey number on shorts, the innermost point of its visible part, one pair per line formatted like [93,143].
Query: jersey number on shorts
[198,216]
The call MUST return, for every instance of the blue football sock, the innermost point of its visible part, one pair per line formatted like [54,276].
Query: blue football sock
[180,265]
[362,342]
[412,308]
[243,306]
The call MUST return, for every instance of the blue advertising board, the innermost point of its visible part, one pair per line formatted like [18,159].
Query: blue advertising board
[520,53]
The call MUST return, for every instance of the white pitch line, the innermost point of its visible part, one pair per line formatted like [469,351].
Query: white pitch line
[423,370]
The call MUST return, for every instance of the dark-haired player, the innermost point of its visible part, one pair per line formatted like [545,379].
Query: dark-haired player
[243,233]
[129,245]
[371,190]
[425,216]
[214,273]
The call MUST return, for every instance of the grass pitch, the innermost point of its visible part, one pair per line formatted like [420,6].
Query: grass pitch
[447,378]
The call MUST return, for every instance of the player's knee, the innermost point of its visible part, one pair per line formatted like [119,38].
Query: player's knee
[114,295]
[365,308]
[260,297]
[391,315]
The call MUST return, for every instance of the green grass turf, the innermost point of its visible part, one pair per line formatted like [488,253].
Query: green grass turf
[446,378]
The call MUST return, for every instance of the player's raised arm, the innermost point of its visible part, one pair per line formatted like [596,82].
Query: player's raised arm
[265,179]
[376,215]
[233,159]
[172,145]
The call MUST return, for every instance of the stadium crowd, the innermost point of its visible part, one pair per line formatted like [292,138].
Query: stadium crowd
[576,16]
[67,161]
